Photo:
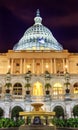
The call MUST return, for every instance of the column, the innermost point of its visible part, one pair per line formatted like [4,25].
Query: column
[51,69]
[9,66]
[67,63]
[68,109]
[12,66]
[54,66]
[63,64]
[24,68]
[42,66]
[33,66]
[6,109]
[21,66]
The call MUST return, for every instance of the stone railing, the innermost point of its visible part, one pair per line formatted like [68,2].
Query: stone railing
[18,97]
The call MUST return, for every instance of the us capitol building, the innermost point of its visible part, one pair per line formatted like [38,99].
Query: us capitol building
[38,69]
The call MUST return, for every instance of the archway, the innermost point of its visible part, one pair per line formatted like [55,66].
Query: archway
[15,112]
[37,89]
[75,110]
[59,111]
[1,112]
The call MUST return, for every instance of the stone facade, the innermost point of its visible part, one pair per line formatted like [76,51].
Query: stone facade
[57,96]
[38,52]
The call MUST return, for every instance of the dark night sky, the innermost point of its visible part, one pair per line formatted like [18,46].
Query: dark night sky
[60,16]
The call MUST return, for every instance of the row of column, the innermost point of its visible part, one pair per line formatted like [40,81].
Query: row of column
[52,65]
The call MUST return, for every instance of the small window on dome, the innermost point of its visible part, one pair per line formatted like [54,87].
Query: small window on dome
[33,48]
[17,64]
[41,48]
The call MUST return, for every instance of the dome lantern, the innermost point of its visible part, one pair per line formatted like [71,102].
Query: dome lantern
[38,19]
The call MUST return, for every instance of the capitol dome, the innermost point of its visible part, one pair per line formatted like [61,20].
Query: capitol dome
[38,37]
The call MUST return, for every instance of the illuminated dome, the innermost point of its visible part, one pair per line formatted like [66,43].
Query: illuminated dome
[38,37]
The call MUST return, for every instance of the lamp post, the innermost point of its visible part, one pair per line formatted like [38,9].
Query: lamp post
[47,80]
[8,84]
[47,77]
[27,84]
[67,85]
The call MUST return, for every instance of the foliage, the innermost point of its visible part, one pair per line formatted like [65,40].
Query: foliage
[15,112]
[67,84]
[8,85]
[27,85]
[28,76]
[47,85]
[75,110]
[59,111]
[19,122]
[1,112]
[7,122]
[71,122]
[46,72]
[58,122]
[47,75]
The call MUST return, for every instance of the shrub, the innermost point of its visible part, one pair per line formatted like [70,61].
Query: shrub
[15,112]
[59,111]
[75,110]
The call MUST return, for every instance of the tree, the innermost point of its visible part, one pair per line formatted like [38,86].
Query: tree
[8,82]
[27,85]
[59,112]
[1,112]
[47,75]
[27,78]
[47,86]
[75,110]
[8,85]
[15,111]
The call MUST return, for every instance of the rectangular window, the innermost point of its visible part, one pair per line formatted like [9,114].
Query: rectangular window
[17,64]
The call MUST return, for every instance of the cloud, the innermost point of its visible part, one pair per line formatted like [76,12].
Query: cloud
[60,12]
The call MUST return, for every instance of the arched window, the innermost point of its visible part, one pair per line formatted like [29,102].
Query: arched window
[37,89]
[75,88]
[17,89]
[57,90]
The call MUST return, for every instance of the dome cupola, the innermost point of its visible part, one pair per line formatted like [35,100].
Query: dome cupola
[38,37]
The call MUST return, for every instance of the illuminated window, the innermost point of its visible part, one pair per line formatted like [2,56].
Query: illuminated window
[17,64]
[47,66]
[76,88]
[33,48]
[57,90]
[37,89]
[41,48]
